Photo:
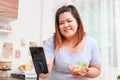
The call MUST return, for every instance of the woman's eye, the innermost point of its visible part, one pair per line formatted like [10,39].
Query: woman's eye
[70,21]
[60,23]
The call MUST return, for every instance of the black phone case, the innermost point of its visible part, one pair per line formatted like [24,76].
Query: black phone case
[39,60]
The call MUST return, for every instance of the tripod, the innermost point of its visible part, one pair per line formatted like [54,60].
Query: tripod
[37,76]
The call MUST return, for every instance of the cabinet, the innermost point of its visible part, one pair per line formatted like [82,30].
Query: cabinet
[8,10]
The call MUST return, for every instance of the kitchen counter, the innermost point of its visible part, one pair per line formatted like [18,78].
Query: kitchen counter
[16,79]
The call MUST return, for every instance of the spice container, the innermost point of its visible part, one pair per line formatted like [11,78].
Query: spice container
[9,28]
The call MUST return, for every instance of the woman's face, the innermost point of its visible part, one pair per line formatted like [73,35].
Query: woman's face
[68,25]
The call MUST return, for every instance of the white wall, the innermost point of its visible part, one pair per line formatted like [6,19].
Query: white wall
[47,19]
[27,27]
[49,8]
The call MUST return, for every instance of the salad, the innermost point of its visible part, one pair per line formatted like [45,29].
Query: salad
[80,67]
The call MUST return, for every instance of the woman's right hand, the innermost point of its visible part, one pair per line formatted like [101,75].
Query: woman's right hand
[43,76]
[49,65]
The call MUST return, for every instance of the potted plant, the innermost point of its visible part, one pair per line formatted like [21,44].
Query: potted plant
[118,77]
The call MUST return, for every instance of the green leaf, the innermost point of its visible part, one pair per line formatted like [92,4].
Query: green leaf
[79,63]
[82,64]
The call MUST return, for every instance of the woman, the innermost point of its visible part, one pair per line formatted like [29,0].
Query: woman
[70,45]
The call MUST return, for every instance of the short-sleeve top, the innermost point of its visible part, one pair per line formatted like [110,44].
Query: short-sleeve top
[90,54]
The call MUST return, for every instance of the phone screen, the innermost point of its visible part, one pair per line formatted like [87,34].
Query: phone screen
[39,59]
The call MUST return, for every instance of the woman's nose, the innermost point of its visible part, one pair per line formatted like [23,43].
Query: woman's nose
[66,24]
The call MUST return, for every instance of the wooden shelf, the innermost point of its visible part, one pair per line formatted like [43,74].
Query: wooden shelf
[5,31]
[5,69]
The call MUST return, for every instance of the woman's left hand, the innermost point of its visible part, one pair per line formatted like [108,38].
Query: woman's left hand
[78,74]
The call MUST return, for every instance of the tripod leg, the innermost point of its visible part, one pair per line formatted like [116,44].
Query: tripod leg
[37,76]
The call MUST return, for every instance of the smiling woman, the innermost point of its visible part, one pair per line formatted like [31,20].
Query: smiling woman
[67,24]
[71,45]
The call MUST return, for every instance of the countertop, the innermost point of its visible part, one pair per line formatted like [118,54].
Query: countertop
[17,79]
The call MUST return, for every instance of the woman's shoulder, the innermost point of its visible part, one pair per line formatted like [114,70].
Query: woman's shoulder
[90,39]
[49,40]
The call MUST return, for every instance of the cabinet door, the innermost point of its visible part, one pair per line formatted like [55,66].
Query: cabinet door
[9,8]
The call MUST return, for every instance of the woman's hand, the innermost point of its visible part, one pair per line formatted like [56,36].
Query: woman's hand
[77,71]
[79,74]
[49,65]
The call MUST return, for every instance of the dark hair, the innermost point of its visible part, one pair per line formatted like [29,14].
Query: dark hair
[58,38]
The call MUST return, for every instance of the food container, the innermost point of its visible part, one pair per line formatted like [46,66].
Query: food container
[5,65]
[2,27]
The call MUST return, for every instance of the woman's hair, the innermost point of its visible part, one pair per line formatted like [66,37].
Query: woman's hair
[58,37]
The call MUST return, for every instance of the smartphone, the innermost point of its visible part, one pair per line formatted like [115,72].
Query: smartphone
[39,60]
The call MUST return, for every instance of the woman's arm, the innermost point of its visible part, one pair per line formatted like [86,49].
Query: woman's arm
[50,65]
[93,71]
